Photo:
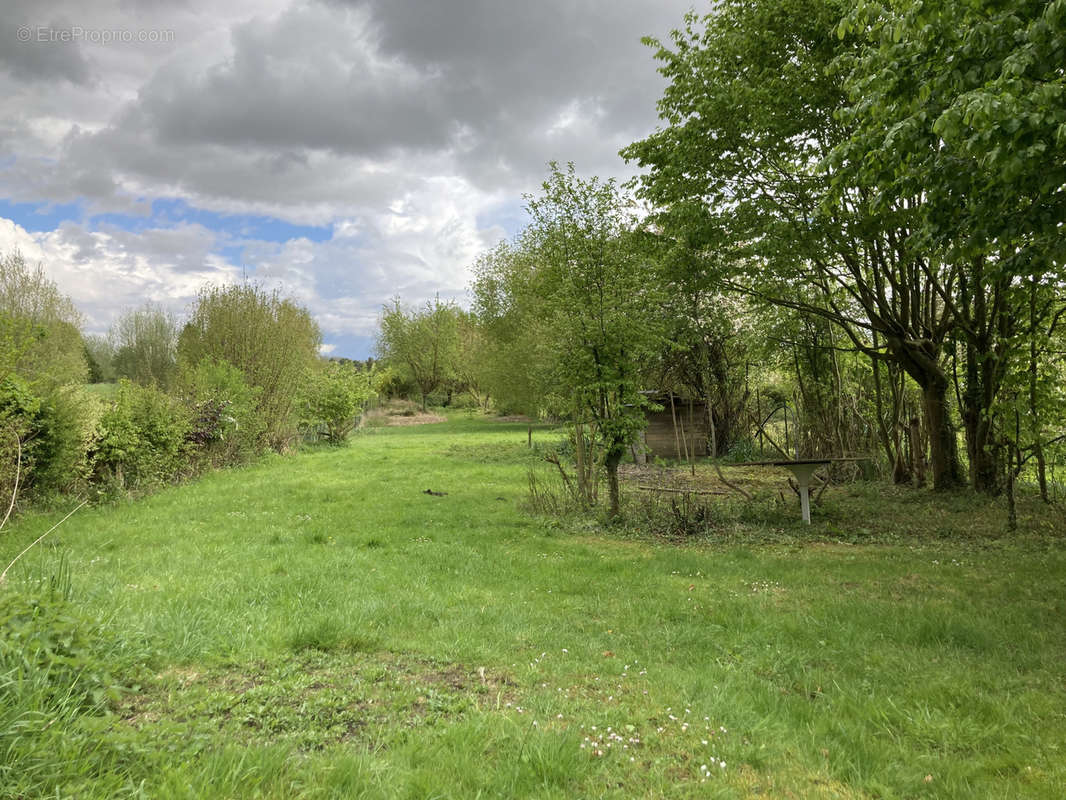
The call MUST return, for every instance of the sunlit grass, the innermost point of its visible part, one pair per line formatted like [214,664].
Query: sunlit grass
[318,626]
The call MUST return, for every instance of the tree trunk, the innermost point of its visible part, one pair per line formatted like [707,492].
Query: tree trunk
[917,453]
[984,463]
[614,456]
[1012,508]
[1034,406]
[921,361]
[943,449]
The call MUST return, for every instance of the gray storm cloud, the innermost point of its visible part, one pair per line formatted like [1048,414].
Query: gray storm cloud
[412,122]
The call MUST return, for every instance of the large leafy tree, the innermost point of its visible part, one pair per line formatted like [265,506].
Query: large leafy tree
[739,175]
[959,114]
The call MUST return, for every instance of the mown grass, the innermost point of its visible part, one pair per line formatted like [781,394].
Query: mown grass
[318,626]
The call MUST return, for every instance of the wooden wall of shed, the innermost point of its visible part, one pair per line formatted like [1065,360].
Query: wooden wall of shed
[659,434]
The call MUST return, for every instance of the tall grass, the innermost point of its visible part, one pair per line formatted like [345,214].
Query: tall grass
[318,626]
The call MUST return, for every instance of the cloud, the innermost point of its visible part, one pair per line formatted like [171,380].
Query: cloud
[410,128]
[34,49]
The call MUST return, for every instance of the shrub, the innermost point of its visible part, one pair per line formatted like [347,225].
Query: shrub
[335,400]
[19,409]
[39,337]
[143,438]
[272,340]
[225,427]
[54,426]
[145,346]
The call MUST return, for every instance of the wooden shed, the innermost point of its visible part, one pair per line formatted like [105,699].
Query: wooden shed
[680,428]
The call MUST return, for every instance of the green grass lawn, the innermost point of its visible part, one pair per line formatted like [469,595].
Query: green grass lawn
[318,626]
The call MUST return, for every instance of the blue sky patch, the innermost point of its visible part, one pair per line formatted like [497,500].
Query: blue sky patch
[40,217]
[170,212]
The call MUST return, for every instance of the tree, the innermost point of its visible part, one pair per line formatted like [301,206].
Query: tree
[472,360]
[101,357]
[423,342]
[145,346]
[273,341]
[39,336]
[587,277]
[515,360]
[738,176]
[336,397]
[959,112]
[706,350]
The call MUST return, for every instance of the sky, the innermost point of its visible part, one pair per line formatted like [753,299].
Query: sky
[343,151]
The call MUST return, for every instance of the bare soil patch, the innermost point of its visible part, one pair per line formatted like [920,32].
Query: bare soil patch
[417,419]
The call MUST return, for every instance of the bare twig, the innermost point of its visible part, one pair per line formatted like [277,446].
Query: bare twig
[732,486]
[825,485]
[553,458]
[3,575]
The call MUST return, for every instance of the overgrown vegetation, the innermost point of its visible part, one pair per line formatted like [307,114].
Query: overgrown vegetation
[321,627]
[851,249]
[243,378]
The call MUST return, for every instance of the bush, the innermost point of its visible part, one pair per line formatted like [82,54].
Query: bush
[334,401]
[273,341]
[53,426]
[225,428]
[143,439]
[145,346]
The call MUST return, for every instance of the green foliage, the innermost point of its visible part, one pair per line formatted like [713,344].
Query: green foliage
[54,427]
[98,356]
[224,427]
[19,411]
[144,346]
[964,105]
[39,335]
[956,115]
[335,398]
[600,298]
[422,343]
[579,293]
[899,636]
[143,439]
[48,648]
[271,340]
[513,360]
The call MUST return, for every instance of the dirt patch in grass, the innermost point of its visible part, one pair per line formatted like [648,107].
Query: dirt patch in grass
[416,419]
[512,418]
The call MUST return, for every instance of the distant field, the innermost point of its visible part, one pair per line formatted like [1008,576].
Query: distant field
[318,626]
[105,390]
